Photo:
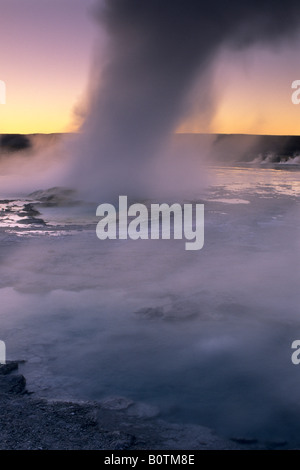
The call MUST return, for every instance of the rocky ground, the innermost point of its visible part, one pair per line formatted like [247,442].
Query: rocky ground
[28,422]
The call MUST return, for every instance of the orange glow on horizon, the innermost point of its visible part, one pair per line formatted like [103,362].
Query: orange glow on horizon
[252,91]
[252,94]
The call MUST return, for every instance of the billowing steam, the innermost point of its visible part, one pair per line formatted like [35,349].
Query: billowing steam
[205,336]
[155,52]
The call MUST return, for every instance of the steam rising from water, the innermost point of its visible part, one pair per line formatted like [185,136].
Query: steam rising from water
[155,53]
[205,336]
[141,85]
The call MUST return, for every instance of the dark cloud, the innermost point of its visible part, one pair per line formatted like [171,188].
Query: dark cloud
[156,49]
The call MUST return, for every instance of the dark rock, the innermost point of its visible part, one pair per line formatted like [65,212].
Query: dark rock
[12,384]
[32,221]
[53,197]
[14,142]
[120,440]
[29,211]
[8,367]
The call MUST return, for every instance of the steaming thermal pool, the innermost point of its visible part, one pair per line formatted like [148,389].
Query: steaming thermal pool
[203,336]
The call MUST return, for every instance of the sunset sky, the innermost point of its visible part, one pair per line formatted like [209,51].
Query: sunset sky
[46,49]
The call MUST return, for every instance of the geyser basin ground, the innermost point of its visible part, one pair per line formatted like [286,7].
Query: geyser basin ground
[204,337]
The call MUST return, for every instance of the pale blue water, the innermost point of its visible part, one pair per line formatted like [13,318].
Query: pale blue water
[205,336]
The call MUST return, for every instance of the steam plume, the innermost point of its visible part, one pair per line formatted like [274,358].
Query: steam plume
[156,50]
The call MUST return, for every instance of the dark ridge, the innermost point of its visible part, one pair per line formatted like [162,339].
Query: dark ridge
[226,147]
[243,147]
[14,142]
[10,143]
[277,144]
